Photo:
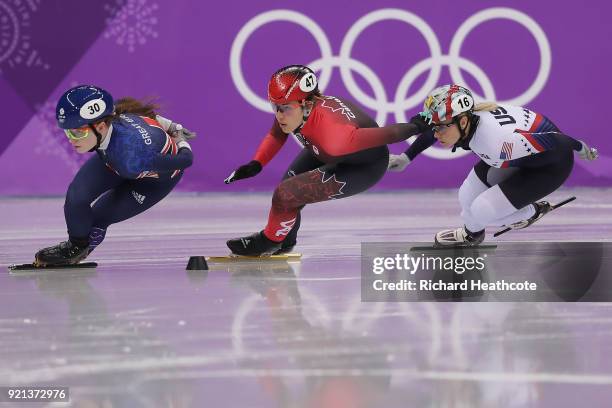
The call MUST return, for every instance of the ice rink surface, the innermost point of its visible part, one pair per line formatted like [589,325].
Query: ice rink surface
[141,331]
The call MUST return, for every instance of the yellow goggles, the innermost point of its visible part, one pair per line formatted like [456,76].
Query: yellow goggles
[77,134]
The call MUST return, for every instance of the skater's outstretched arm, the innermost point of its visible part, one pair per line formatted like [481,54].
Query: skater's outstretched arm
[398,162]
[347,139]
[554,146]
[269,146]
[422,143]
[585,152]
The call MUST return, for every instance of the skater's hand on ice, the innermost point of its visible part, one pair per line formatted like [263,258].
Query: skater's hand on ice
[398,162]
[245,171]
[588,153]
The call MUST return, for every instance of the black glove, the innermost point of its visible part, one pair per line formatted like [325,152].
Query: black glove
[248,170]
[421,123]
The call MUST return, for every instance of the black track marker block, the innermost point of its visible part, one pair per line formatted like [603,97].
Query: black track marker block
[197,263]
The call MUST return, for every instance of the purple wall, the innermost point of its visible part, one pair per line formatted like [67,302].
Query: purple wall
[556,61]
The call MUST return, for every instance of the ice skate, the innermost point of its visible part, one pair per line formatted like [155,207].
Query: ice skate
[285,248]
[64,253]
[541,209]
[256,244]
[459,237]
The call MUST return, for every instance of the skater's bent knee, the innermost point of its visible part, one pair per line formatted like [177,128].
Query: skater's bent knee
[284,197]
[78,195]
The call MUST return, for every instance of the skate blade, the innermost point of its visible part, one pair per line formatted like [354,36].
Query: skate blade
[562,203]
[292,256]
[552,207]
[34,267]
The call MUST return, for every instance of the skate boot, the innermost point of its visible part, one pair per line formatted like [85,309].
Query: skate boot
[285,248]
[459,237]
[541,209]
[64,253]
[256,244]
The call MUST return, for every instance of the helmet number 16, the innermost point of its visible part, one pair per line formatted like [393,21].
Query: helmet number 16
[464,102]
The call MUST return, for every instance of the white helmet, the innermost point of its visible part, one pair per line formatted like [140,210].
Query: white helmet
[446,102]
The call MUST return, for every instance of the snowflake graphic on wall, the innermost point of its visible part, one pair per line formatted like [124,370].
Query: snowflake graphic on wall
[15,39]
[132,22]
[52,140]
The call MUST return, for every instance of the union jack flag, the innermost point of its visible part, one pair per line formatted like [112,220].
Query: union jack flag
[506,151]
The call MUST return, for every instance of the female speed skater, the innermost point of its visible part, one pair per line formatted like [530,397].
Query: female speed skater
[523,158]
[344,154]
[137,163]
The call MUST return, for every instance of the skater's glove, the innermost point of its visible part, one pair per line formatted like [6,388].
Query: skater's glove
[181,142]
[398,162]
[248,170]
[588,153]
[422,121]
[175,130]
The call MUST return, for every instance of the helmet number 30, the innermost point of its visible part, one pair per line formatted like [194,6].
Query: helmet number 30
[93,109]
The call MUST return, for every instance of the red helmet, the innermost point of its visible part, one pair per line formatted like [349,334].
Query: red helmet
[292,83]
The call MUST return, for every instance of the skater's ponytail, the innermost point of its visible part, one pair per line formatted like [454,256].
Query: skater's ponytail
[135,106]
[485,106]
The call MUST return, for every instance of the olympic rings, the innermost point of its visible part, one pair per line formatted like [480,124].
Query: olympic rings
[401,102]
